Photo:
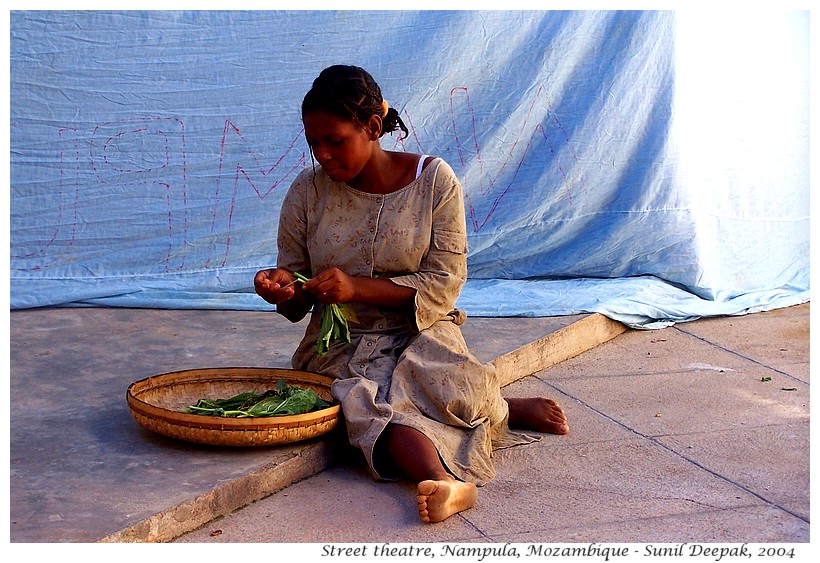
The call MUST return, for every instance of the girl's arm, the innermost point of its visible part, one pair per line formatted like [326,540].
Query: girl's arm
[334,286]
[443,270]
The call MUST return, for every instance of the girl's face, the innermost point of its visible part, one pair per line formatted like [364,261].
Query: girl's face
[341,147]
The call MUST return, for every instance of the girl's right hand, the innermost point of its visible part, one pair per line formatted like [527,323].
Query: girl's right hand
[271,284]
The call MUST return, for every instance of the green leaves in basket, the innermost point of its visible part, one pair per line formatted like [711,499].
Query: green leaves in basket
[284,400]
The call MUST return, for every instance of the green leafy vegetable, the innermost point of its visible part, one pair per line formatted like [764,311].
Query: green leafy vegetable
[284,400]
[334,326]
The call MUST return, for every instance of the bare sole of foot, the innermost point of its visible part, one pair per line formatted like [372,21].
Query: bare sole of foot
[438,500]
[539,414]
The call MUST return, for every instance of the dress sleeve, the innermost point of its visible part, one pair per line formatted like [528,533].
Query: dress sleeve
[293,225]
[443,270]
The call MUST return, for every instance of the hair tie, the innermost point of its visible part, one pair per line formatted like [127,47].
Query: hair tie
[384,108]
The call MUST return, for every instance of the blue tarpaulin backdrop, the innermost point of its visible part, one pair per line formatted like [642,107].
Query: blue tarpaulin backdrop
[651,166]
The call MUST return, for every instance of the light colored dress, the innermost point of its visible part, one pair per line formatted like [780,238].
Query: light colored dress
[408,367]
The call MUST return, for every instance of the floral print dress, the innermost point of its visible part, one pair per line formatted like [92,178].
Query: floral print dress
[409,367]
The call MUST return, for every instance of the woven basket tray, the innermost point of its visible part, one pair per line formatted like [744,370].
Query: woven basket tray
[156,403]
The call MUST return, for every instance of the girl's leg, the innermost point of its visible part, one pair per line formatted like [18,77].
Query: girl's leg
[440,495]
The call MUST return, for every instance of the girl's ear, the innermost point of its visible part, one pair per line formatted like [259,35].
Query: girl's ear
[374,127]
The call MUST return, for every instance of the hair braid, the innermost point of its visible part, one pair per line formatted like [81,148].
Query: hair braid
[350,92]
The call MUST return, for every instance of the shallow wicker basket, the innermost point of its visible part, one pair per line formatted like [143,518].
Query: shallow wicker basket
[157,403]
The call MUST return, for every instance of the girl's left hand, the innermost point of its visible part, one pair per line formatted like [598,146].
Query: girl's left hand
[332,286]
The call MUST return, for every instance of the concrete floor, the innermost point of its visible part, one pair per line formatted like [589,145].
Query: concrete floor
[82,470]
[697,433]
[694,433]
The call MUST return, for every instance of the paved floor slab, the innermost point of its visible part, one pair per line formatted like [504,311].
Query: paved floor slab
[692,433]
[82,470]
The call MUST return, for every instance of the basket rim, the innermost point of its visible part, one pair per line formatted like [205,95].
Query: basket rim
[201,421]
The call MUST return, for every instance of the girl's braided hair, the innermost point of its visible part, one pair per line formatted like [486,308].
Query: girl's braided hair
[351,93]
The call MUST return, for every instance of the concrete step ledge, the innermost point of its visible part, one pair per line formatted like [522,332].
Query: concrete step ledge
[563,344]
[302,461]
[306,459]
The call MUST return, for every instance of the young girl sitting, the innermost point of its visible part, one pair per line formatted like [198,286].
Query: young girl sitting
[385,233]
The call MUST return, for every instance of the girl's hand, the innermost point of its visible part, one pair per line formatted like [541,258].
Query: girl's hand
[271,284]
[332,286]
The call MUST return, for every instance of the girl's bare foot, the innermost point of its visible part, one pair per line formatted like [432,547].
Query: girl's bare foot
[439,500]
[539,414]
